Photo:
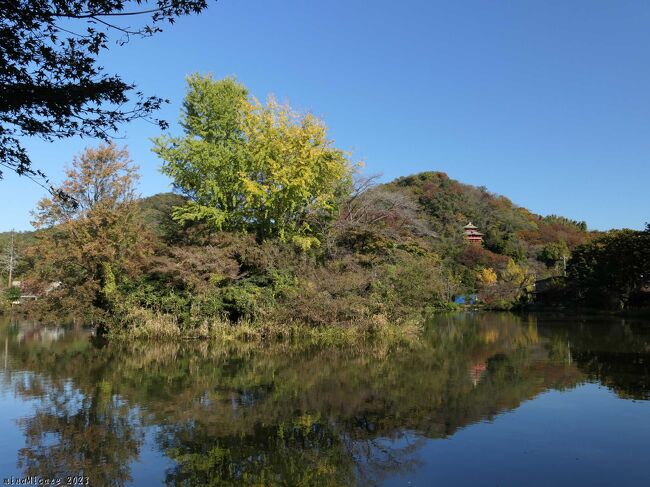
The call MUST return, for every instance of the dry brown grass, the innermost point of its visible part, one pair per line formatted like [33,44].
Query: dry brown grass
[142,323]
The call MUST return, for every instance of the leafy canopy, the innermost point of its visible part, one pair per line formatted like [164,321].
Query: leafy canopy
[612,268]
[50,84]
[246,166]
[92,245]
[99,177]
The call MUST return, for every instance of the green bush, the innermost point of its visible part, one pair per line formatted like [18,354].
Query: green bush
[12,293]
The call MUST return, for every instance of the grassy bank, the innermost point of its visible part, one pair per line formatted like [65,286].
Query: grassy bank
[145,324]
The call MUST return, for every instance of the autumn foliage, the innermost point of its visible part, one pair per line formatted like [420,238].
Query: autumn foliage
[94,239]
[272,225]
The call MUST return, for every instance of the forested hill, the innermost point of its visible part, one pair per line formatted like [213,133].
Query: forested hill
[424,214]
[275,229]
[448,204]
[411,227]
[510,230]
[20,238]
[401,242]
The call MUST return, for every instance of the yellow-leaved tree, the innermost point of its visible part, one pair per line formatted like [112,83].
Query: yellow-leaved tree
[486,277]
[246,166]
[516,279]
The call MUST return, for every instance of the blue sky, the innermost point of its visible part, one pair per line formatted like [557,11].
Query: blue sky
[545,102]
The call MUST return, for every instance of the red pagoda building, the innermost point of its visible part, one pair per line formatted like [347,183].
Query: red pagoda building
[472,234]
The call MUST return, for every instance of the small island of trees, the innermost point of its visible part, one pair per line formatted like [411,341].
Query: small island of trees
[272,231]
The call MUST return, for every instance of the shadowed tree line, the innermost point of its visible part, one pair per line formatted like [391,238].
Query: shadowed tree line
[610,272]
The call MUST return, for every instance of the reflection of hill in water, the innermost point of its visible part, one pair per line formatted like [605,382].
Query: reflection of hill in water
[612,351]
[316,417]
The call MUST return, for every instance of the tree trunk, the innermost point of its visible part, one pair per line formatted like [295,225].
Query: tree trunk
[11,260]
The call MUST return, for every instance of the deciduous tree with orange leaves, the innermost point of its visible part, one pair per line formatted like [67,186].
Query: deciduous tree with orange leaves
[96,237]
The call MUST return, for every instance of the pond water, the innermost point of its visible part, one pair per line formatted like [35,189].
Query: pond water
[483,399]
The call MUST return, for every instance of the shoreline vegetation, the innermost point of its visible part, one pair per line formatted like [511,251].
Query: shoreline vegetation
[273,233]
[164,327]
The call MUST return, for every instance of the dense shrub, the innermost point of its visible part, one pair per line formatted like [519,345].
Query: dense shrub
[12,293]
[613,271]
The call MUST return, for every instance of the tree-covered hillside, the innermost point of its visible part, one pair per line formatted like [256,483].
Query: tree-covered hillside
[390,248]
[510,231]
[272,225]
[157,211]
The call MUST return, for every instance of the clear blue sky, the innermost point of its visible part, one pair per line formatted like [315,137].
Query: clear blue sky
[545,102]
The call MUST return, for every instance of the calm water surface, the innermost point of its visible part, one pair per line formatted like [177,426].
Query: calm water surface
[484,399]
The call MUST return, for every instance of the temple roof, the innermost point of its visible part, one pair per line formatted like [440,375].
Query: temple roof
[471,231]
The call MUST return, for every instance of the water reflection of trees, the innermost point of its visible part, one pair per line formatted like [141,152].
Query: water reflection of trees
[288,415]
[612,351]
[73,433]
[79,425]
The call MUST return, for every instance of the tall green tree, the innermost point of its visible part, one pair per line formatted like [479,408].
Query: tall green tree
[612,269]
[251,167]
[554,253]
